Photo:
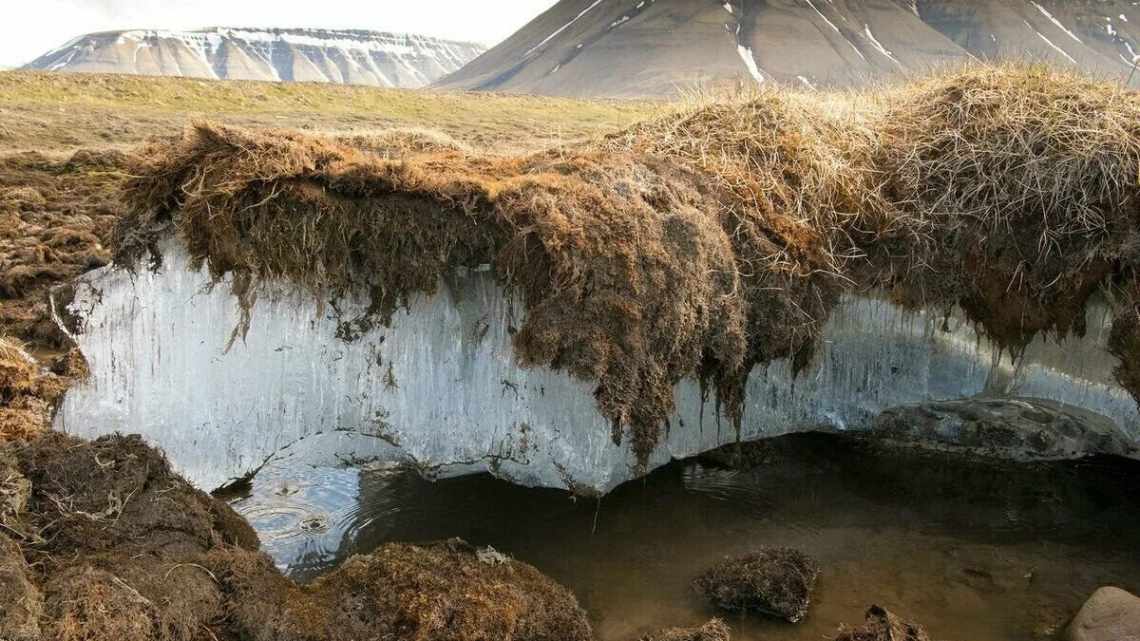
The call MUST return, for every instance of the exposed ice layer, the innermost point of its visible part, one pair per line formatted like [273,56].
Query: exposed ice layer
[441,386]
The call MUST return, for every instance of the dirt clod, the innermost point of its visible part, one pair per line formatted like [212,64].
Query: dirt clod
[772,580]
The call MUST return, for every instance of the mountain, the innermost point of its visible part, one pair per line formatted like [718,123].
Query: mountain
[655,47]
[345,56]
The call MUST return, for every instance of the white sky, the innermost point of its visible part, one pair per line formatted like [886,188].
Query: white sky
[33,27]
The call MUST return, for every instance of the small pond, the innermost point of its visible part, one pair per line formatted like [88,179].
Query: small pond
[975,552]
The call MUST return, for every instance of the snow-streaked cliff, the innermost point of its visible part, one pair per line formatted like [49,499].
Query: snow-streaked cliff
[317,55]
[441,387]
[662,47]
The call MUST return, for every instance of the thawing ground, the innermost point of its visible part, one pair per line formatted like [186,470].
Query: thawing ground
[972,551]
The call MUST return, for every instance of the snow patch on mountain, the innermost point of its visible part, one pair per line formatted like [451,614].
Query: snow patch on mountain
[316,55]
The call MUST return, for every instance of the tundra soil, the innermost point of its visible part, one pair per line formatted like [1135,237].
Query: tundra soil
[67,146]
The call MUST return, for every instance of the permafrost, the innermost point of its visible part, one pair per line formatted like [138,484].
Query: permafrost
[441,388]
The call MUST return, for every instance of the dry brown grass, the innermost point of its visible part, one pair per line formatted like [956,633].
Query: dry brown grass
[27,394]
[1022,191]
[21,602]
[56,215]
[85,604]
[704,242]
[714,630]
[442,591]
[58,111]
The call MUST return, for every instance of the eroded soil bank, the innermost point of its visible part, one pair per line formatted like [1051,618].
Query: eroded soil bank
[1010,193]
[101,541]
[702,244]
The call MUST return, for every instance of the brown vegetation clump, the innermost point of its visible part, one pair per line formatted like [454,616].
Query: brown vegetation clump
[634,315]
[439,592]
[85,604]
[401,142]
[436,592]
[714,630]
[56,218]
[772,580]
[702,243]
[1021,197]
[21,602]
[882,625]
[14,491]
[116,492]
[120,542]
[449,591]
[27,394]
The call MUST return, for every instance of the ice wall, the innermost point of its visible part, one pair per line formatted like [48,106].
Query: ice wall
[441,387]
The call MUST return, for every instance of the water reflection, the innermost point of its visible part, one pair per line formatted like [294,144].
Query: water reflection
[973,551]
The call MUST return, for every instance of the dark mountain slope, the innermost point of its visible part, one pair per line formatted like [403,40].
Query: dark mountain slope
[655,47]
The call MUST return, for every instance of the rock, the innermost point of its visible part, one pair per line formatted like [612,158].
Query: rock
[21,603]
[1111,614]
[882,625]
[1015,429]
[772,580]
[714,630]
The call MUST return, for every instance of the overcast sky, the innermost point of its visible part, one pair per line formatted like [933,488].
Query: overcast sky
[32,27]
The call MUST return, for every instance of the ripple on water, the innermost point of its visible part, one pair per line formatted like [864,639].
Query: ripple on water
[301,514]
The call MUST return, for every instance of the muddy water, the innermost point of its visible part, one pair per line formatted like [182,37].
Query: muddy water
[975,552]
